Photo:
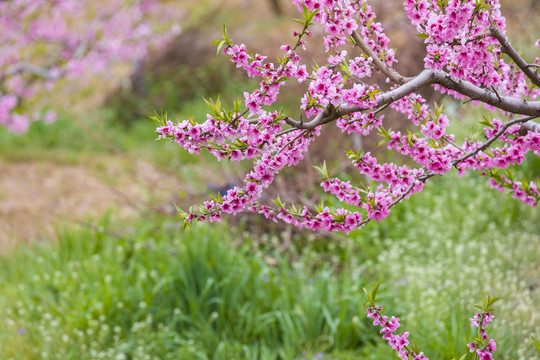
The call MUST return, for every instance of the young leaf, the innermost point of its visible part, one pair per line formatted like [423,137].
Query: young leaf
[220,46]
[374,291]
[186,224]
[368,294]
[279,203]
[382,142]
[414,347]
[225,33]
[320,206]
[181,212]
[536,343]
[322,170]
[486,121]
[160,119]
[491,301]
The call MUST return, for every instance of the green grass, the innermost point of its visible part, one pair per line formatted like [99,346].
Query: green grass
[151,291]
[438,254]
[163,294]
[72,140]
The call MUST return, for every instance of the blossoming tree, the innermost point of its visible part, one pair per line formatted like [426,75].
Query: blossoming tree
[44,41]
[468,57]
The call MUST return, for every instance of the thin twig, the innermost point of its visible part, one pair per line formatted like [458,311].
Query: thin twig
[510,51]
[34,70]
[447,139]
[390,72]
[381,109]
[492,139]
[286,131]
[293,140]
[496,93]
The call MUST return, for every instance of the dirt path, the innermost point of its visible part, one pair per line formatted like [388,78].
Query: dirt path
[37,196]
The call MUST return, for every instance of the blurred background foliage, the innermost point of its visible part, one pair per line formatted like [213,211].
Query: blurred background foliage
[95,266]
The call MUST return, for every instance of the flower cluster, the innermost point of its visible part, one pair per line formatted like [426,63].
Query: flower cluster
[238,141]
[457,39]
[482,345]
[46,41]
[389,327]
[524,191]
[463,54]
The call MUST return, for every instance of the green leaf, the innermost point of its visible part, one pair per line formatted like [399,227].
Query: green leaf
[319,207]
[186,224]
[351,155]
[183,215]
[220,46]
[219,199]
[486,121]
[383,132]
[491,301]
[536,343]
[305,12]
[279,203]
[339,218]
[323,170]
[425,36]
[311,16]
[368,294]
[160,119]
[374,291]
[225,33]
[237,103]
[414,347]
[181,212]
[382,142]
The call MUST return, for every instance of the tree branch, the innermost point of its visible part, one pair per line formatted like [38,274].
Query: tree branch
[426,78]
[34,70]
[421,80]
[510,51]
[505,103]
[529,126]
[492,139]
[390,72]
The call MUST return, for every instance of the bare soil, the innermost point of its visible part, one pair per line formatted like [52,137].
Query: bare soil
[36,197]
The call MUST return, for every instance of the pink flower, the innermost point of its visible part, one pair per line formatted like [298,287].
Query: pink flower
[487,318]
[491,346]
